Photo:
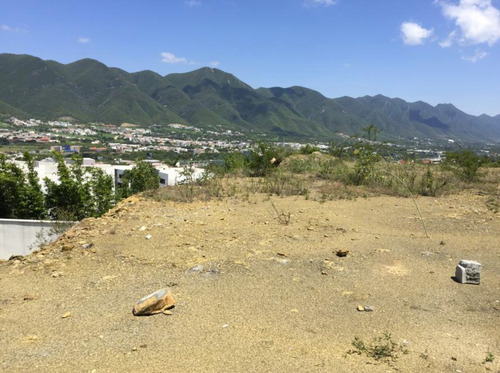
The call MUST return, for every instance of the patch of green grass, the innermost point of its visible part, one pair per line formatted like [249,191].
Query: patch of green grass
[381,348]
[489,357]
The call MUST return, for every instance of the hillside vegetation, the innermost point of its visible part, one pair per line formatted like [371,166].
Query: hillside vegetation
[87,90]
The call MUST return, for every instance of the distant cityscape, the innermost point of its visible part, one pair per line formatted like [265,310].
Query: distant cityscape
[97,138]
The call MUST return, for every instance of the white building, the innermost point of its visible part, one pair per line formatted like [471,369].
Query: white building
[169,176]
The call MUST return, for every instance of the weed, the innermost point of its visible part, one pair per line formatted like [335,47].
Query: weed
[382,348]
[282,217]
[489,357]
[493,202]
[283,184]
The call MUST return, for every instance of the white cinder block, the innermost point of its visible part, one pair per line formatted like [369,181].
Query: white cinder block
[468,272]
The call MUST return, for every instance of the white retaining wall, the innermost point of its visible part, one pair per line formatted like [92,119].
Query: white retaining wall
[19,237]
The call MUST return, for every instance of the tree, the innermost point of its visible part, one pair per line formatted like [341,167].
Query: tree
[32,200]
[80,193]
[143,176]
[101,186]
[465,164]
[367,157]
[11,182]
[265,159]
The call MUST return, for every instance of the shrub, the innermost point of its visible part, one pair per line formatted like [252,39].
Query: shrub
[465,164]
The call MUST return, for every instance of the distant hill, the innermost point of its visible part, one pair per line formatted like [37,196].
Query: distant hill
[88,90]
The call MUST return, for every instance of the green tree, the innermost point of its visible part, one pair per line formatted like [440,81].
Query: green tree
[309,149]
[465,164]
[32,200]
[71,198]
[265,158]
[143,176]
[12,179]
[367,157]
[101,186]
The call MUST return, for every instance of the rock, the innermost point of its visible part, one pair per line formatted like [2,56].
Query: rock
[66,315]
[87,245]
[67,247]
[148,237]
[195,269]
[342,252]
[360,308]
[17,257]
[468,272]
[31,297]
[369,308]
[152,304]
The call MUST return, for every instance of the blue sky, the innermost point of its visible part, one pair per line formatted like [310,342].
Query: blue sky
[437,51]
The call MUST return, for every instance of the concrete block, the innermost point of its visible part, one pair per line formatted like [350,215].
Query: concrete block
[468,272]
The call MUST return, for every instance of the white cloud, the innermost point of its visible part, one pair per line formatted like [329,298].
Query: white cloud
[214,63]
[83,40]
[8,28]
[446,43]
[168,57]
[192,2]
[479,55]
[414,34]
[477,20]
[319,2]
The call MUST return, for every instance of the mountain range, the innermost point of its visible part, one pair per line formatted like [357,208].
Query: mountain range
[89,91]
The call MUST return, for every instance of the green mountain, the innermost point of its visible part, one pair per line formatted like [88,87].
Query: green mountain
[87,90]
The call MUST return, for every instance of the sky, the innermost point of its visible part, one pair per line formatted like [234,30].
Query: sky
[437,51]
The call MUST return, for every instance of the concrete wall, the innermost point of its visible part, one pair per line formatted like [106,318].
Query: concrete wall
[19,237]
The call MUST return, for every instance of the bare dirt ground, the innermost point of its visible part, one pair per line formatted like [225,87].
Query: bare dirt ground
[255,294]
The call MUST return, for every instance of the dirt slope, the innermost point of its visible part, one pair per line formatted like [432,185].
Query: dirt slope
[257,295]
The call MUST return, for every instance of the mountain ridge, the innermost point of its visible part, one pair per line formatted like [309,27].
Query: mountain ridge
[88,90]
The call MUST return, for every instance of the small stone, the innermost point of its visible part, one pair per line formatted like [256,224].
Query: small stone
[67,247]
[342,252]
[66,315]
[17,257]
[148,237]
[196,269]
[143,228]
[369,308]
[468,272]
[310,228]
[87,245]
[360,308]
[157,302]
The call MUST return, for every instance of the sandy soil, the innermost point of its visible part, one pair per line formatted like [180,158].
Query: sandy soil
[255,294]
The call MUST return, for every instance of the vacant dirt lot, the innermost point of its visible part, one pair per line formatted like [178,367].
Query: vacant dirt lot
[260,289]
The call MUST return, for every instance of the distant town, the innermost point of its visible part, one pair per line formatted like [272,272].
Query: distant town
[175,144]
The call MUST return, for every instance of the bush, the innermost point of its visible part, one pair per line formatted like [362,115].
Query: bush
[142,177]
[465,164]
